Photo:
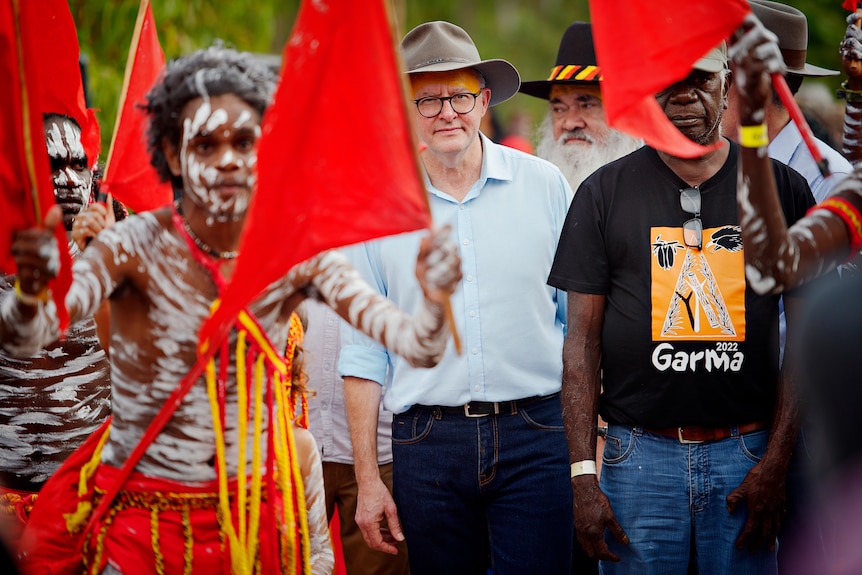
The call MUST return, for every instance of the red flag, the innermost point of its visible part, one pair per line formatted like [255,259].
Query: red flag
[644,47]
[128,173]
[26,188]
[336,162]
[850,5]
[56,66]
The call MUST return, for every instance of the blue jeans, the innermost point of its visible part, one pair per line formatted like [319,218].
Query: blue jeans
[474,492]
[669,498]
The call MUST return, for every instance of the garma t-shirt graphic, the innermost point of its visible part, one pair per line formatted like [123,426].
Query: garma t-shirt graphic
[698,294]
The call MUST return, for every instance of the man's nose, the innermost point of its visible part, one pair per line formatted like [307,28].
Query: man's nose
[574,119]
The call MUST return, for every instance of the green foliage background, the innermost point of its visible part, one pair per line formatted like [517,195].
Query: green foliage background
[524,32]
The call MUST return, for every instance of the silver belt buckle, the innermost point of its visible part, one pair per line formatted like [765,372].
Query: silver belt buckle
[684,440]
[468,414]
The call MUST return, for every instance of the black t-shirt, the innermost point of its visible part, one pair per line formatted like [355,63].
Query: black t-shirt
[684,340]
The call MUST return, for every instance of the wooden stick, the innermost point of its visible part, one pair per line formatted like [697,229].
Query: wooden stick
[780,85]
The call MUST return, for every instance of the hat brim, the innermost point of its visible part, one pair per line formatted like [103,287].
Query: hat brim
[500,76]
[542,88]
[812,71]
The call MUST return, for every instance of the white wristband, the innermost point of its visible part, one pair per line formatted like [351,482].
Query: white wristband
[585,467]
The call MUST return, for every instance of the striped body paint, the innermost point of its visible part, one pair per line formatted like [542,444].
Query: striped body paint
[161,296]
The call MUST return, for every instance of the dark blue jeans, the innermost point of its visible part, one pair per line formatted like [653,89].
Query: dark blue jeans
[493,490]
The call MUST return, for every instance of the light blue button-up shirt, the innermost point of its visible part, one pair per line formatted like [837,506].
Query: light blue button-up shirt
[327,415]
[510,321]
[789,148]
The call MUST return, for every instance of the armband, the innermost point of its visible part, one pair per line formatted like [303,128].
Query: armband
[44,296]
[753,136]
[585,467]
[851,217]
[848,95]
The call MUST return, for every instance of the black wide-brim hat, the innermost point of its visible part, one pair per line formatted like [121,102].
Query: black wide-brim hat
[576,63]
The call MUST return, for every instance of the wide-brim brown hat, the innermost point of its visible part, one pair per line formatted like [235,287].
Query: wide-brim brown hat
[791,27]
[576,63]
[442,47]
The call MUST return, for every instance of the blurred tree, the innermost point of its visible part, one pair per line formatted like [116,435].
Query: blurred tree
[524,32]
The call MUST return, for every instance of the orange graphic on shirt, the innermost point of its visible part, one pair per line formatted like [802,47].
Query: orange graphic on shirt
[698,294]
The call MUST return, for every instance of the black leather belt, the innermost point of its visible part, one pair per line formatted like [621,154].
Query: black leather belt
[486,408]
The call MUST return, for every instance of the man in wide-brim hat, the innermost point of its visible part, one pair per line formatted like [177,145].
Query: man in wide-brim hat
[785,142]
[479,455]
[575,134]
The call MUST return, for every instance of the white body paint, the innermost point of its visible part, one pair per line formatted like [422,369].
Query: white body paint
[147,266]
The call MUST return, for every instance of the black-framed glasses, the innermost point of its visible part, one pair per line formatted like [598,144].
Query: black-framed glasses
[462,104]
[692,229]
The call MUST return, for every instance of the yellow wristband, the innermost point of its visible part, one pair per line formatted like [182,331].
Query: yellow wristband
[586,467]
[753,136]
[44,296]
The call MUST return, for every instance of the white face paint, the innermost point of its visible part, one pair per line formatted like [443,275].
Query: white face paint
[69,168]
[218,154]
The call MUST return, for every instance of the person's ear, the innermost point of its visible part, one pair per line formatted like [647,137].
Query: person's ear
[172,156]
[728,84]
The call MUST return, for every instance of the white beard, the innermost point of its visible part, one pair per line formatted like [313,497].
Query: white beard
[577,162]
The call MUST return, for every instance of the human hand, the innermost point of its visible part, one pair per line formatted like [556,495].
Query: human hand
[851,52]
[90,222]
[755,55]
[593,513]
[438,266]
[763,492]
[373,504]
[37,257]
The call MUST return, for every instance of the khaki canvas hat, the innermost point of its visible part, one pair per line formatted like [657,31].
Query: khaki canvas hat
[442,47]
[791,27]
[713,61]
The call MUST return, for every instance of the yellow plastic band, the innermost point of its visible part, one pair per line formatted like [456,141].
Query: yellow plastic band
[44,296]
[753,136]
[586,467]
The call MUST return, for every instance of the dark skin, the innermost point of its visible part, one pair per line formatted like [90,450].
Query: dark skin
[817,243]
[695,106]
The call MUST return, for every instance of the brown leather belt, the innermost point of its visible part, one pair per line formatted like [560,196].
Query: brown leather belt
[696,434]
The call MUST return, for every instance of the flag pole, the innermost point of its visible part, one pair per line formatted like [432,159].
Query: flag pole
[786,97]
[25,115]
[130,64]
[393,33]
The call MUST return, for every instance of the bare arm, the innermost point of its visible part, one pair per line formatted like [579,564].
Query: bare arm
[374,502]
[322,556]
[777,258]
[851,61]
[582,357]
[422,339]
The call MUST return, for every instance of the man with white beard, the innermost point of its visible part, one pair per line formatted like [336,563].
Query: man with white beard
[575,135]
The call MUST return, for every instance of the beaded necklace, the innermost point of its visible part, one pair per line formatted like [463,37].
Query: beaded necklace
[202,246]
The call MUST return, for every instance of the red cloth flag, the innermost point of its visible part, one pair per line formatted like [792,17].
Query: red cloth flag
[336,160]
[644,47]
[128,173]
[26,188]
[56,66]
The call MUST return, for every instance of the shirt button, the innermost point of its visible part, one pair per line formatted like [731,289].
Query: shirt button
[477,388]
[461,206]
[472,314]
[466,242]
[475,351]
[469,278]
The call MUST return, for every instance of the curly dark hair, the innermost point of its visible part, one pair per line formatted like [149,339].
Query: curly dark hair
[213,71]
